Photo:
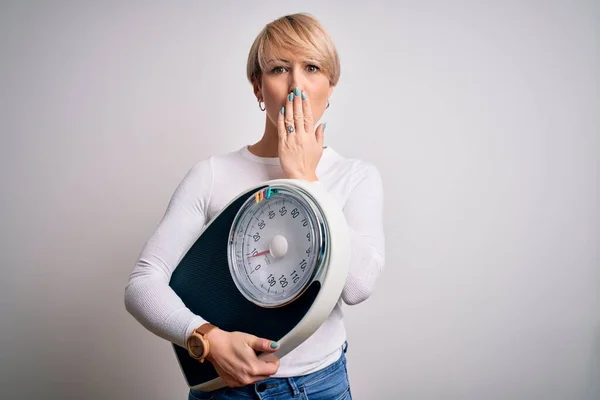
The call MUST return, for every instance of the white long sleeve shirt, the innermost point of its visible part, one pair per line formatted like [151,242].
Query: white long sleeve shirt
[212,183]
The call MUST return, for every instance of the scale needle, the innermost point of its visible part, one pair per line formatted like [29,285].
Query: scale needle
[262,253]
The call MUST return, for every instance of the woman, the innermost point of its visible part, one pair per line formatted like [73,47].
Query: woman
[293,67]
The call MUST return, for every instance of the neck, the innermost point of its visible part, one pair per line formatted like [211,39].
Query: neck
[268,145]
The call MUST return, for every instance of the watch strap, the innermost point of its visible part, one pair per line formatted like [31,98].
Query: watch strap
[205,328]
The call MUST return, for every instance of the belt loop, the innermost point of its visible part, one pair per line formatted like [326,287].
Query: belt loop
[293,386]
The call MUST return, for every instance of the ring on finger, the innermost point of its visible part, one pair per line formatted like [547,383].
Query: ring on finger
[290,129]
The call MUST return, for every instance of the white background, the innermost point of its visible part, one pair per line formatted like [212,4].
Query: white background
[483,118]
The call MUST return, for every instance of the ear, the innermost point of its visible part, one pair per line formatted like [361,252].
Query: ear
[331,87]
[256,86]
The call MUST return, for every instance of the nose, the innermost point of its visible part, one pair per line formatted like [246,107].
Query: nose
[296,79]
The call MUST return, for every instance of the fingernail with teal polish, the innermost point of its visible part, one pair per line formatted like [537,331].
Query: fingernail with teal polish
[297,91]
[274,345]
[282,110]
[303,96]
[291,96]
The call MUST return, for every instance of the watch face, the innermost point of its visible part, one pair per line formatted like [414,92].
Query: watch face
[276,245]
[196,346]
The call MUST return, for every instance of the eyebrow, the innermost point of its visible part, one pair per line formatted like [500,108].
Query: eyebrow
[277,60]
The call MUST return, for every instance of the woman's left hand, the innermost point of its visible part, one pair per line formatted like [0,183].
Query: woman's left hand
[300,148]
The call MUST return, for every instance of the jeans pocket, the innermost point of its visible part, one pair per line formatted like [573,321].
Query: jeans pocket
[329,393]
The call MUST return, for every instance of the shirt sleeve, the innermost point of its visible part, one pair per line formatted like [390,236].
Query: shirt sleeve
[148,296]
[364,214]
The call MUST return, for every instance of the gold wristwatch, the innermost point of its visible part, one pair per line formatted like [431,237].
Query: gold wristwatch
[197,345]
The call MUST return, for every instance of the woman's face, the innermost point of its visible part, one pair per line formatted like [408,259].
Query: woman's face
[283,74]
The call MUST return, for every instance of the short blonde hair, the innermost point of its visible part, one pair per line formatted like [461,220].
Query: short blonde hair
[294,32]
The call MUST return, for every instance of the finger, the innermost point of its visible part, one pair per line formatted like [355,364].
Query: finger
[289,112]
[260,370]
[268,357]
[260,344]
[265,369]
[270,368]
[281,125]
[298,114]
[320,134]
[307,112]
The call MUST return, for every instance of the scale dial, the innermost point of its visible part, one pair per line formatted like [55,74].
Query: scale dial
[276,245]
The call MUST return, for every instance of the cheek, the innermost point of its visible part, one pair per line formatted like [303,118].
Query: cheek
[271,95]
[274,100]
[318,99]
[321,98]
[318,93]
[274,92]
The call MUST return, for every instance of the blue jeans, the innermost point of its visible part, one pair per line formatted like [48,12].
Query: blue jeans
[329,383]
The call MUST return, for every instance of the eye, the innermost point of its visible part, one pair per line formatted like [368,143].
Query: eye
[313,68]
[278,70]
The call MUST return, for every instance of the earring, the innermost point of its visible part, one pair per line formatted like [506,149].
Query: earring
[261,107]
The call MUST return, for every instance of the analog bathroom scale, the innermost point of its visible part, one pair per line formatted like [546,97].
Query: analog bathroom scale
[272,263]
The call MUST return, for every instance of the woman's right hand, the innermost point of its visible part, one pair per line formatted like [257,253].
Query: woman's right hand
[233,354]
